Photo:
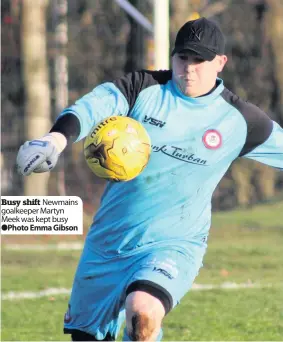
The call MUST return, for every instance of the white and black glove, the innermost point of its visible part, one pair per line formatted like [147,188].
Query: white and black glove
[40,155]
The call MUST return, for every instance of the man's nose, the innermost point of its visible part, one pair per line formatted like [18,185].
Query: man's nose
[190,67]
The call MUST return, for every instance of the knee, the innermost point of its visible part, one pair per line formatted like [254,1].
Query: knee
[144,314]
[142,327]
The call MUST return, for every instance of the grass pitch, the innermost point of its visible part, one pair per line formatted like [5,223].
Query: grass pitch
[243,247]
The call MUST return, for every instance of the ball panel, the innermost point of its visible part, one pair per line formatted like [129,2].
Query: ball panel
[118,148]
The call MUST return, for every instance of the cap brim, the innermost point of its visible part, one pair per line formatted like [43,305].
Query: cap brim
[199,50]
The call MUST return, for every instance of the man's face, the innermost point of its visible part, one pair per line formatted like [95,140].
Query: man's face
[193,75]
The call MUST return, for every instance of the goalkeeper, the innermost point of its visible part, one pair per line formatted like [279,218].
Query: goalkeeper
[147,240]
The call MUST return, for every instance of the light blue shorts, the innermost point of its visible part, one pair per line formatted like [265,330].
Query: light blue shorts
[98,295]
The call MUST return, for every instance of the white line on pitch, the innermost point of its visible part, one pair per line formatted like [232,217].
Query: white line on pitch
[30,295]
[12,295]
[60,246]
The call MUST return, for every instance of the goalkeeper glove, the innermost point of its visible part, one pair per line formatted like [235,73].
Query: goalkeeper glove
[40,155]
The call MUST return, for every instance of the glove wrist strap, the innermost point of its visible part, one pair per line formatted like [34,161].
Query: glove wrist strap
[56,139]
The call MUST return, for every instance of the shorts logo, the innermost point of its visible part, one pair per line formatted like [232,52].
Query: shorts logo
[212,139]
[67,317]
[162,271]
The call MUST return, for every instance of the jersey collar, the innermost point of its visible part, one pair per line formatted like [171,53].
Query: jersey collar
[204,100]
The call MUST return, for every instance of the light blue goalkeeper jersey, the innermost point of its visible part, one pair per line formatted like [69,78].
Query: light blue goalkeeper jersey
[194,141]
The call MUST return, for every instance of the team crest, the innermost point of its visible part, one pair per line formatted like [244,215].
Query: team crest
[212,139]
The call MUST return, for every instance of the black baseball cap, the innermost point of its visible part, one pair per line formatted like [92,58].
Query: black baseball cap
[203,37]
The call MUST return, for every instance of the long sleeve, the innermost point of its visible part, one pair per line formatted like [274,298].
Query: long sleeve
[105,100]
[111,98]
[271,151]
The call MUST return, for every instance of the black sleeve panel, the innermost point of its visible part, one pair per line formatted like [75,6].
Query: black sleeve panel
[133,83]
[259,125]
[68,125]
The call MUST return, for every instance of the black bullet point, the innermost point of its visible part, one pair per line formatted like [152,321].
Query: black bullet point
[4,227]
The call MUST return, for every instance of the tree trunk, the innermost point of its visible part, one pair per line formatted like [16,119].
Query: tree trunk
[241,173]
[60,8]
[36,81]
[274,26]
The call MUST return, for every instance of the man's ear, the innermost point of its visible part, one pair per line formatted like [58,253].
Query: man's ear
[222,60]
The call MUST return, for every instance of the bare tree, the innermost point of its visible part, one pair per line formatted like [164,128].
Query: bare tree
[274,26]
[60,9]
[36,81]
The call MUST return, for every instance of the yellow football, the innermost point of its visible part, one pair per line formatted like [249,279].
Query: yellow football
[118,148]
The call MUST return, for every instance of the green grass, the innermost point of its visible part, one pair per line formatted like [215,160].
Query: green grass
[235,315]
[261,216]
[34,319]
[244,246]
[34,271]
